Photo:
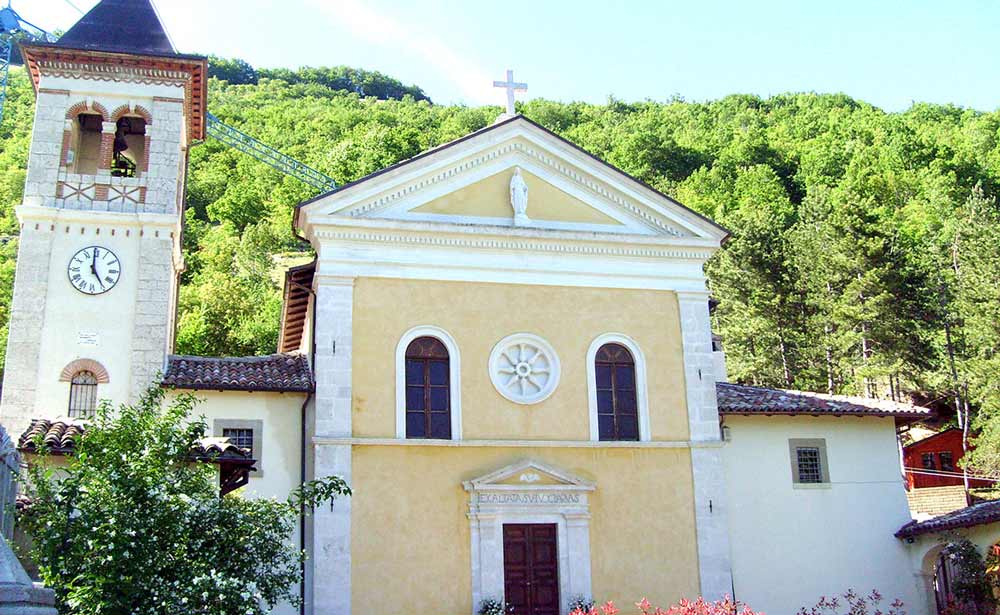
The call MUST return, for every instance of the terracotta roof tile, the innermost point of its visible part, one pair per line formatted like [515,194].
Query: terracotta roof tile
[741,399]
[970,516]
[278,372]
[59,435]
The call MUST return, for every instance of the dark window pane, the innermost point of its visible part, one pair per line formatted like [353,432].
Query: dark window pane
[606,426]
[414,424]
[626,402]
[441,426]
[628,427]
[604,376]
[439,399]
[414,398]
[810,470]
[624,377]
[439,372]
[414,372]
[604,402]
[947,465]
[927,460]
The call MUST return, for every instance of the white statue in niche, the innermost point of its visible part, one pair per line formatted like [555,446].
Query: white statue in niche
[519,197]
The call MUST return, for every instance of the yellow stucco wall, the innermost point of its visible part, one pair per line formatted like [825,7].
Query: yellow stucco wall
[490,198]
[479,315]
[410,536]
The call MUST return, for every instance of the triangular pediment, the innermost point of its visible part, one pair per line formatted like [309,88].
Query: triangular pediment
[512,174]
[529,474]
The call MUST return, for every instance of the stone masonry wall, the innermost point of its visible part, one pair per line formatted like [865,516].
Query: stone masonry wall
[46,147]
[153,318]
[25,326]
[164,179]
[711,505]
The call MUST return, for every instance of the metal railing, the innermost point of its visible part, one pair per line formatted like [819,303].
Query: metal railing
[10,467]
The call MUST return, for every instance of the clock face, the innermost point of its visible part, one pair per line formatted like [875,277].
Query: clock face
[94,270]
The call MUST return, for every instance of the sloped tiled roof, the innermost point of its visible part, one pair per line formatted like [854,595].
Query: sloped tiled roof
[126,26]
[60,436]
[277,372]
[970,516]
[742,399]
[216,448]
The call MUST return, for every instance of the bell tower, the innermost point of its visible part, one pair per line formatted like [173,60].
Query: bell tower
[100,222]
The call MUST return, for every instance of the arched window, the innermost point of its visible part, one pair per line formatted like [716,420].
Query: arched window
[129,147]
[617,403]
[85,153]
[83,394]
[428,389]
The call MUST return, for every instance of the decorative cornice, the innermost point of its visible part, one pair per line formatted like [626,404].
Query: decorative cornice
[522,245]
[385,201]
[105,72]
[53,215]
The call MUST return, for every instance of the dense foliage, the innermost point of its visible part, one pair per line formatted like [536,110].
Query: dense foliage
[861,261]
[130,525]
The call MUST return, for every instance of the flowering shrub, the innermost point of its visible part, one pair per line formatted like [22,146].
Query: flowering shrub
[492,606]
[130,525]
[855,603]
[726,606]
[581,603]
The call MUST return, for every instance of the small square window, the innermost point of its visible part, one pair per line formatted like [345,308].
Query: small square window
[241,437]
[808,460]
[947,463]
[927,461]
[247,434]
[810,470]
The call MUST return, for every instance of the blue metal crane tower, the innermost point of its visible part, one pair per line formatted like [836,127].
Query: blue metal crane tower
[12,27]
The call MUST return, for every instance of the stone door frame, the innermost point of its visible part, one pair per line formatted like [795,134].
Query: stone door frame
[517,494]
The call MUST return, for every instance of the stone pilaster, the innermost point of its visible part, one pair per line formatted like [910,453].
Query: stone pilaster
[27,316]
[166,159]
[153,318]
[710,502]
[331,535]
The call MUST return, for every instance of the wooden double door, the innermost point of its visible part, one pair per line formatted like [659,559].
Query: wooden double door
[531,568]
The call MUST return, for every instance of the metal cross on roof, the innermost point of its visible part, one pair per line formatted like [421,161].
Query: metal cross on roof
[511,86]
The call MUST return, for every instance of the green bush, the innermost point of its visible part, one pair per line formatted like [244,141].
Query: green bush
[131,525]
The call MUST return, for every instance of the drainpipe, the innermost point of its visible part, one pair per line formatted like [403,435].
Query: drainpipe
[302,451]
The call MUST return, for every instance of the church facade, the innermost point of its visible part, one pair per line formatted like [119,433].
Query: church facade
[503,345]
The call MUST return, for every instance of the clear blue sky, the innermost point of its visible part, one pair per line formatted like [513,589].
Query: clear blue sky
[889,53]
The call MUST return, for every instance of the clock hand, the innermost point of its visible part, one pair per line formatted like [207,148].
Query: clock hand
[93,269]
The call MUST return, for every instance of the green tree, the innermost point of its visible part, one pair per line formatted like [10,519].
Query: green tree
[233,70]
[131,525]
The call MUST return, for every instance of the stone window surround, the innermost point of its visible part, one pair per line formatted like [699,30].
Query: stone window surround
[818,443]
[641,394]
[257,426]
[572,522]
[454,377]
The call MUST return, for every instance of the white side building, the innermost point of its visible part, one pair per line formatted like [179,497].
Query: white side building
[816,495]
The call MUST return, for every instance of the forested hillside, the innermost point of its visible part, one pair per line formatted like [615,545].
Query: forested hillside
[864,253]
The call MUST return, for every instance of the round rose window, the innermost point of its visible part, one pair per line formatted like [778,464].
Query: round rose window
[524,368]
